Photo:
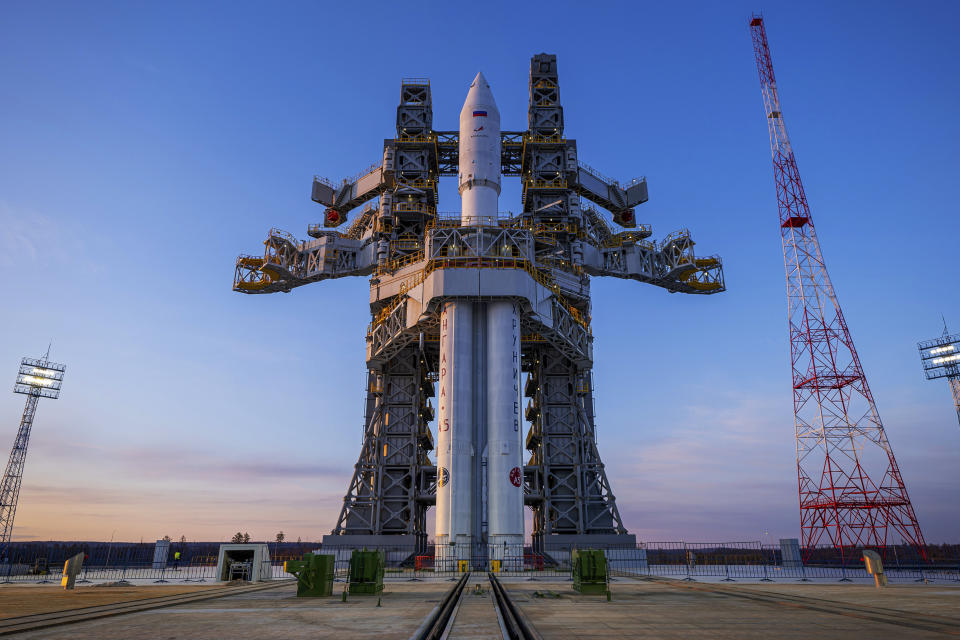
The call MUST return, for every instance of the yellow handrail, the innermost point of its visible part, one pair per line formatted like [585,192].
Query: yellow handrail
[540,275]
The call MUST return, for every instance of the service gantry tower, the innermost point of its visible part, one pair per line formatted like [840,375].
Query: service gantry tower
[851,491]
[37,378]
[542,258]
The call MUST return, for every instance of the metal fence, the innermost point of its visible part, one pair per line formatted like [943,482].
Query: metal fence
[731,561]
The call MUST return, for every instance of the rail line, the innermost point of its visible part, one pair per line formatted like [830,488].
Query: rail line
[513,624]
[36,621]
[435,625]
[925,621]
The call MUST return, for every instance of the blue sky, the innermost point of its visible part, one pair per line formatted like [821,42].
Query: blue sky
[145,145]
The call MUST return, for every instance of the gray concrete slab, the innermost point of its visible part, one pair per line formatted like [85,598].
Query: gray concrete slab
[673,609]
[653,608]
[276,613]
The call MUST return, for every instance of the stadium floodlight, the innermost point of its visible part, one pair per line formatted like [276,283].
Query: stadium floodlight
[39,378]
[36,379]
[941,356]
[941,359]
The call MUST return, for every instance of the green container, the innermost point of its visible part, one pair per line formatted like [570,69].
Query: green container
[314,574]
[366,572]
[589,571]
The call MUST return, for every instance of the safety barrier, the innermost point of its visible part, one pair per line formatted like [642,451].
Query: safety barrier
[731,562]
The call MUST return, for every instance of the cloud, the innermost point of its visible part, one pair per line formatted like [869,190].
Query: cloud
[167,462]
[37,240]
[86,491]
[58,511]
[723,470]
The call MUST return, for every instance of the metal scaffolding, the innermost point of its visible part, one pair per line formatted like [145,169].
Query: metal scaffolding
[542,258]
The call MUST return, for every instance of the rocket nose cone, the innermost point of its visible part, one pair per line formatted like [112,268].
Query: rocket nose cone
[480,93]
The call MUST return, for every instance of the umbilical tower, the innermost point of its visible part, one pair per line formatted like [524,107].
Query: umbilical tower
[480,311]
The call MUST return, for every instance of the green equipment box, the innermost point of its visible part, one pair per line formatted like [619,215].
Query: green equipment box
[314,574]
[366,572]
[589,571]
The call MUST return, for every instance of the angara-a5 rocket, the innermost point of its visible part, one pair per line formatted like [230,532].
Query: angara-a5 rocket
[479,440]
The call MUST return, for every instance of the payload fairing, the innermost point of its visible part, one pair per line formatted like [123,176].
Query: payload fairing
[479,441]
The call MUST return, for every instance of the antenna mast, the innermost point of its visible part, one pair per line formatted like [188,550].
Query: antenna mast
[842,447]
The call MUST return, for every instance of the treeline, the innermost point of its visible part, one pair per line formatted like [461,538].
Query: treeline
[135,553]
[894,555]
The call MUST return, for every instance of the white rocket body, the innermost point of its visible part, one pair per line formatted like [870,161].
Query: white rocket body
[455,446]
[479,350]
[504,436]
[479,172]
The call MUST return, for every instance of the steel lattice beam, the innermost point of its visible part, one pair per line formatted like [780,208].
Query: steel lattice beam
[851,490]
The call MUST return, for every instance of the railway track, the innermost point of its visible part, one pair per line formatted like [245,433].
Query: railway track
[57,618]
[513,624]
[438,622]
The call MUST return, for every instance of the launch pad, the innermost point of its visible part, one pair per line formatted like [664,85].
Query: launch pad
[653,608]
[500,293]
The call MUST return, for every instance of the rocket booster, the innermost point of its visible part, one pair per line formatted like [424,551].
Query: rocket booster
[455,434]
[504,436]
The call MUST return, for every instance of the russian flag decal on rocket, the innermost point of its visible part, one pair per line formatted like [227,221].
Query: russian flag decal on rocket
[477,114]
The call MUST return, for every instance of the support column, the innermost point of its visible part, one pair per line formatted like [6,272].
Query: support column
[955,390]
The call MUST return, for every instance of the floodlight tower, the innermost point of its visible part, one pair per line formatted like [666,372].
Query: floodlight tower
[941,359]
[36,379]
